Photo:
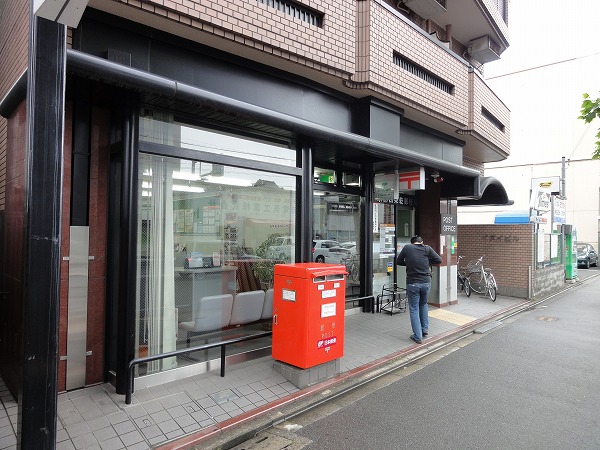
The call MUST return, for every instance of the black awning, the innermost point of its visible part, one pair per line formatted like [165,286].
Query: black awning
[492,194]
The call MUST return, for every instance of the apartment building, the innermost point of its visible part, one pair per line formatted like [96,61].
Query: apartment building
[197,135]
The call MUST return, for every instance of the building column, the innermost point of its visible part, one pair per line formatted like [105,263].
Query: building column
[43,204]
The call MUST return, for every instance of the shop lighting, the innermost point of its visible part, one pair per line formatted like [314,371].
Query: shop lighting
[184,188]
[227,181]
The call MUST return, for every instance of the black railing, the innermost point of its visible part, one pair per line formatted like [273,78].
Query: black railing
[183,351]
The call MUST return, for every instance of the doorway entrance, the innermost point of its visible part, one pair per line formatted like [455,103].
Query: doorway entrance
[337,234]
[393,225]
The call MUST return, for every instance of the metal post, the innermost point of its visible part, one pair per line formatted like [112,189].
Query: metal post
[42,235]
[563,181]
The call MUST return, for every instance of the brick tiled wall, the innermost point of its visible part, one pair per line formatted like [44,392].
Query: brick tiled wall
[256,25]
[507,249]
[389,34]
[484,96]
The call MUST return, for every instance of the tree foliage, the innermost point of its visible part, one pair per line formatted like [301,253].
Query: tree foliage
[590,109]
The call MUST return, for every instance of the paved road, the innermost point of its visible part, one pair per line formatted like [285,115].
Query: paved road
[532,382]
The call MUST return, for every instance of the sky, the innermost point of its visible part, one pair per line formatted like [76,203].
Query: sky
[553,58]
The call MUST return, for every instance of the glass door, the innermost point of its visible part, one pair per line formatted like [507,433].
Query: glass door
[393,226]
[336,234]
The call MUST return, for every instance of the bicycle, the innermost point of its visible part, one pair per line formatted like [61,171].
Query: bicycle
[480,279]
[461,274]
[352,267]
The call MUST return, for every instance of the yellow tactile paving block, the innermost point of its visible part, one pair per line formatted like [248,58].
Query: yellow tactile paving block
[452,317]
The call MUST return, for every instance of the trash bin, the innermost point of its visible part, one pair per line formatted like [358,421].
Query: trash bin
[308,313]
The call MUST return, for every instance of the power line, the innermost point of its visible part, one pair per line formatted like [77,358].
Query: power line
[543,65]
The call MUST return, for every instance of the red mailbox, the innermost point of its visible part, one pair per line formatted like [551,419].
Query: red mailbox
[308,313]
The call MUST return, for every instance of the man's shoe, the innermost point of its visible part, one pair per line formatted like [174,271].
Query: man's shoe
[425,333]
[415,339]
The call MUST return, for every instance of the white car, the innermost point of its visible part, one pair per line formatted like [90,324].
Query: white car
[321,249]
[338,255]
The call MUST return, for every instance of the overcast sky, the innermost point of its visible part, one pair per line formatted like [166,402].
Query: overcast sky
[553,58]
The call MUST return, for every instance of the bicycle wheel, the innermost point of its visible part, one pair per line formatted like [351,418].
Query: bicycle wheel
[460,285]
[467,287]
[354,272]
[491,287]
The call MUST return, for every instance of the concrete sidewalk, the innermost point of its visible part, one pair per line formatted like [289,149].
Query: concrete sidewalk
[208,411]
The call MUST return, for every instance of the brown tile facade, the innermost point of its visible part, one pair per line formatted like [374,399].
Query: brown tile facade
[14,25]
[12,258]
[97,238]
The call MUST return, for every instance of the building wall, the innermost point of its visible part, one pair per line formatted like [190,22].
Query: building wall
[389,33]
[14,27]
[257,26]
[12,259]
[507,250]
[547,280]
[484,97]
[98,194]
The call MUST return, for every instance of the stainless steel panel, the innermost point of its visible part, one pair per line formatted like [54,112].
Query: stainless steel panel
[77,309]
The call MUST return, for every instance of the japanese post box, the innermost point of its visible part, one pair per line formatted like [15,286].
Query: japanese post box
[308,313]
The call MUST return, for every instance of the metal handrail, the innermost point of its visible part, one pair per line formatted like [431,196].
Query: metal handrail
[222,344]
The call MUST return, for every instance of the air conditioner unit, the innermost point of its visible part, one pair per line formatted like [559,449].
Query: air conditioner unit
[484,49]
[427,8]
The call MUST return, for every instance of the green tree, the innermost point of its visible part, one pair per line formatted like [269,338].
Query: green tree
[590,109]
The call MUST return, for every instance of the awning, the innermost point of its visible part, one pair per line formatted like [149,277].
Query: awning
[492,193]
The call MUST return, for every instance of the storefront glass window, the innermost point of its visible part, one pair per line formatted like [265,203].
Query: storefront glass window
[161,128]
[202,241]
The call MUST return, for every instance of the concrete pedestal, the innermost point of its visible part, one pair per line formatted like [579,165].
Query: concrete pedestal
[302,378]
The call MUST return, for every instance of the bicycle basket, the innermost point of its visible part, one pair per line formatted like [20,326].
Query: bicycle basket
[474,266]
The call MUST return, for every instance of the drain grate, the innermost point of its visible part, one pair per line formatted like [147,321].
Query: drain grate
[487,327]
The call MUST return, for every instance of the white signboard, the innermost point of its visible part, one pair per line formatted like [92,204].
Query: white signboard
[540,200]
[329,293]
[328,310]
[551,185]
[559,210]
[411,180]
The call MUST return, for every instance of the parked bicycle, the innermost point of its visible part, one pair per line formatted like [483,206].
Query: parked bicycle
[461,273]
[352,267]
[480,279]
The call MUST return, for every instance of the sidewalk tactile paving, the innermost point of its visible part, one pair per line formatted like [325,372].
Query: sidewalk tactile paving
[452,317]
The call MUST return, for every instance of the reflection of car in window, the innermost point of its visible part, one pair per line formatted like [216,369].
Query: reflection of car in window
[321,249]
[586,255]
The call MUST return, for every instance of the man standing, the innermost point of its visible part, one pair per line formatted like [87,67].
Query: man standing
[418,259]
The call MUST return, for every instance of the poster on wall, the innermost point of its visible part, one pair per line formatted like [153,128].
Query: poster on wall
[387,232]
[540,244]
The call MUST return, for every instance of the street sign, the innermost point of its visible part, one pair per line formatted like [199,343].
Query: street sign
[448,225]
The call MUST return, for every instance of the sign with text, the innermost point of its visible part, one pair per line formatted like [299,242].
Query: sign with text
[448,225]
[551,185]
[559,210]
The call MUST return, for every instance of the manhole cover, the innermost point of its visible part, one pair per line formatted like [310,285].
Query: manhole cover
[547,319]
